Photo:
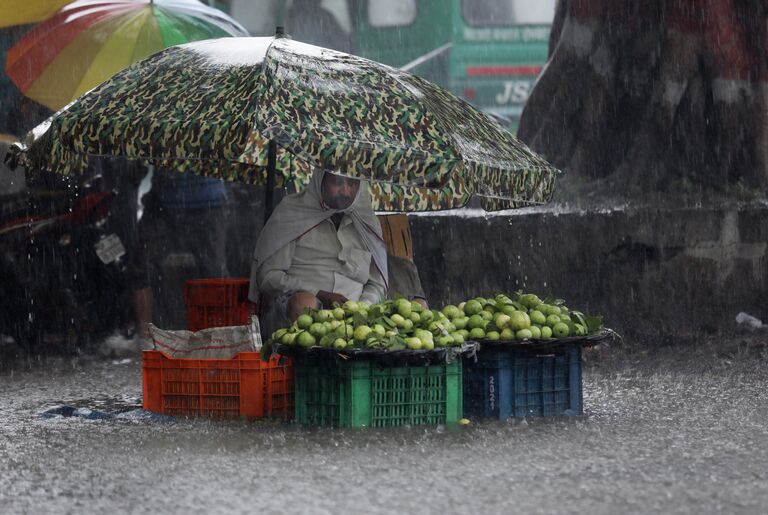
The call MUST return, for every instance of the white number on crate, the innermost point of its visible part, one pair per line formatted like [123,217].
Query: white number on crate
[491,393]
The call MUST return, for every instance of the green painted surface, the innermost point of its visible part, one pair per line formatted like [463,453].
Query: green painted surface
[511,55]
[437,23]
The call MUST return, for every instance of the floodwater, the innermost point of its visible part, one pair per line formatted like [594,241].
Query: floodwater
[662,433]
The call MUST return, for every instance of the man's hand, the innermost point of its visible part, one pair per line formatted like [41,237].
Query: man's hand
[329,298]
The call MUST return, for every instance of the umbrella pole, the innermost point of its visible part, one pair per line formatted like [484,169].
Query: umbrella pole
[271,165]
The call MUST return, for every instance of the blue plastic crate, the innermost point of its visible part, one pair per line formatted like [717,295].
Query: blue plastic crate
[522,383]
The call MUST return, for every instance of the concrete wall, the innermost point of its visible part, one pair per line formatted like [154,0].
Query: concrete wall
[648,271]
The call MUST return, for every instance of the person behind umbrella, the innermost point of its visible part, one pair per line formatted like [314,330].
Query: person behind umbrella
[320,247]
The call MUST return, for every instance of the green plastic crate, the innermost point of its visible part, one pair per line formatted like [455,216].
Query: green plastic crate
[333,393]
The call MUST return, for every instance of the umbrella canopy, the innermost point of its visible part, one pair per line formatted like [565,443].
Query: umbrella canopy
[23,12]
[211,108]
[88,41]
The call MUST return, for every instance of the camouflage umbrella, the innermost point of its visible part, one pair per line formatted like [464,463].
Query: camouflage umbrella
[217,107]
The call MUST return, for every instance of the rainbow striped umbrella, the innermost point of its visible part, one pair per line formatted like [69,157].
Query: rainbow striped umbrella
[88,41]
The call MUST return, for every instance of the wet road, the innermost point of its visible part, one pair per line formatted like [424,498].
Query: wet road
[661,434]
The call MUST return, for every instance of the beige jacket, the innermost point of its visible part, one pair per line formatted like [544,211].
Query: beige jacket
[324,259]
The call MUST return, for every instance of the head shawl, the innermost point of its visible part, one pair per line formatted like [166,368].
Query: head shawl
[299,213]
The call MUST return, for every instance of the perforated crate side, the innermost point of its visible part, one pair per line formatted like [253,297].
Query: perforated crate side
[216,302]
[521,383]
[364,394]
[244,386]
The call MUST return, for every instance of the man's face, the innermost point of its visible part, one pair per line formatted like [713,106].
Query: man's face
[339,192]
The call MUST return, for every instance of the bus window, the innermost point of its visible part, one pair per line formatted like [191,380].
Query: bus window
[394,13]
[486,13]
[259,21]
[340,11]
[325,23]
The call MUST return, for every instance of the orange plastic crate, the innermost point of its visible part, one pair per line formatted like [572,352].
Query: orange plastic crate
[216,303]
[244,386]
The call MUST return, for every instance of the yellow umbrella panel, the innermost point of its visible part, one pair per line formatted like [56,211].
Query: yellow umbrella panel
[24,12]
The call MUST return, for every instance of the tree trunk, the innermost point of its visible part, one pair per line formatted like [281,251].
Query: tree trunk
[655,96]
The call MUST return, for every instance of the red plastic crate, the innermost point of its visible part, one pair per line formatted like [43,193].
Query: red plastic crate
[244,386]
[216,303]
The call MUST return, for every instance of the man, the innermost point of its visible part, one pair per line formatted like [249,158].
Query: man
[184,215]
[320,247]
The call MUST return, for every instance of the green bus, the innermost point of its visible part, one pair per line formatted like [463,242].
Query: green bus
[488,52]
